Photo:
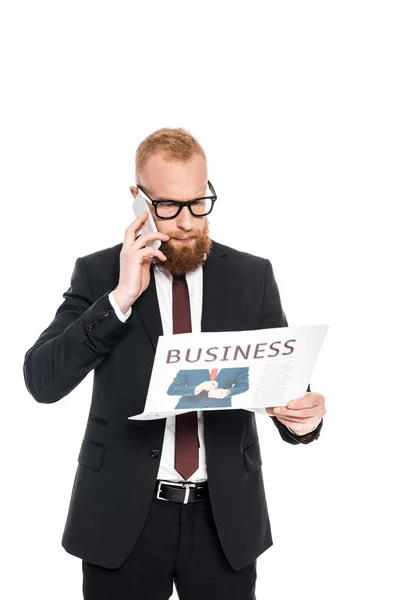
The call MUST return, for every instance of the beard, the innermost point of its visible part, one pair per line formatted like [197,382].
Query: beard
[181,260]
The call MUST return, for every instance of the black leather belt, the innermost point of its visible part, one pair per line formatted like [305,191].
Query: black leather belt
[181,492]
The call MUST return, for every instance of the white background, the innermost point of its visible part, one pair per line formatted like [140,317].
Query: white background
[297,107]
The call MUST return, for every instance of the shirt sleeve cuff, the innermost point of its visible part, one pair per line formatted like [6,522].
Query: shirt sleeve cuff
[295,432]
[121,316]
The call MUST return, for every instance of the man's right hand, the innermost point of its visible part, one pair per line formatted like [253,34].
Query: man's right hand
[135,260]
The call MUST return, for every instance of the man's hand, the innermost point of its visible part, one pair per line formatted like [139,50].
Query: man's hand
[301,415]
[207,385]
[135,259]
[219,393]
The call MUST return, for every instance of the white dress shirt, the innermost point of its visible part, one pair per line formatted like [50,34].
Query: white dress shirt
[163,279]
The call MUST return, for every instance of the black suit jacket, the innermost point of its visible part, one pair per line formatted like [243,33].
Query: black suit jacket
[119,458]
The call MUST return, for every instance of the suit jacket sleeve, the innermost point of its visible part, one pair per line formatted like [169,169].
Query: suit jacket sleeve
[273,316]
[241,383]
[180,385]
[82,333]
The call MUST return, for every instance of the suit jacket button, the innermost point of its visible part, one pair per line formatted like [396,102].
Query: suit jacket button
[155,453]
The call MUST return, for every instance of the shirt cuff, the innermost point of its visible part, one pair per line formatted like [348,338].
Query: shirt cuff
[295,432]
[121,316]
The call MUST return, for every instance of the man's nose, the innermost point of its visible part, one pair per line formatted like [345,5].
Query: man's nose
[185,219]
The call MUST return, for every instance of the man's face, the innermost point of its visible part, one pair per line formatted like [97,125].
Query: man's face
[189,240]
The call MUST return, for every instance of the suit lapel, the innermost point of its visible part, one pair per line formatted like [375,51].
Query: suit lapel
[149,311]
[222,301]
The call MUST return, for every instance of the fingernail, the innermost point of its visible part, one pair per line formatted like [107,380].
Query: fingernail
[277,410]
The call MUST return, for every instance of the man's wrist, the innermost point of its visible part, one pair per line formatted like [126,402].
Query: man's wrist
[121,316]
[124,302]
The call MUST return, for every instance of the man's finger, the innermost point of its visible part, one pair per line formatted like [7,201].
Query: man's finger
[142,240]
[134,227]
[309,401]
[305,413]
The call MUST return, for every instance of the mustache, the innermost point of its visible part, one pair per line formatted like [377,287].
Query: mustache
[182,237]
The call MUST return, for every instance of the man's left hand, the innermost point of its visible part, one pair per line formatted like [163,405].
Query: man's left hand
[218,393]
[301,415]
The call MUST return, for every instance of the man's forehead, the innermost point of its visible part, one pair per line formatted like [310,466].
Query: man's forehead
[167,179]
[198,193]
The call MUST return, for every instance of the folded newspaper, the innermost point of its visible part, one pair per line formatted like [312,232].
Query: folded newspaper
[231,369]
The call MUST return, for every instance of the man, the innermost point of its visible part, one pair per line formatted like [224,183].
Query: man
[196,392]
[169,500]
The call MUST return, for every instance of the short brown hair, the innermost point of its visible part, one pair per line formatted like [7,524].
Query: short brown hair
[174,144]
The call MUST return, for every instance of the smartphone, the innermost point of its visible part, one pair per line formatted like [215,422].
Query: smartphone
[139,206]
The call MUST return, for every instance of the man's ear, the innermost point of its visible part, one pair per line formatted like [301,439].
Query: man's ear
[134,190]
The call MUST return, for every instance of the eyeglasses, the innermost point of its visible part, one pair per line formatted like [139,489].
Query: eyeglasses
[169,209]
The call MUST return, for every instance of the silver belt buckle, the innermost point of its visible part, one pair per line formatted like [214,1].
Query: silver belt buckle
[178,484]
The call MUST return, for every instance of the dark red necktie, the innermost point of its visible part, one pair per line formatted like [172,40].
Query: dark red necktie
[186,438]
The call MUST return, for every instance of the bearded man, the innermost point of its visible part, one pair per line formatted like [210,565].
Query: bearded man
[178,500]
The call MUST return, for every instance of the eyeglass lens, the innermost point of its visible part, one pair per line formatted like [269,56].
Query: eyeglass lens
[170,209]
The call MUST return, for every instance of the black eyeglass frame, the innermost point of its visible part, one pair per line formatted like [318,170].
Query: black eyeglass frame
[188,203]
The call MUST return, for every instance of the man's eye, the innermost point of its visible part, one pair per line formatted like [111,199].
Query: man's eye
[168,204]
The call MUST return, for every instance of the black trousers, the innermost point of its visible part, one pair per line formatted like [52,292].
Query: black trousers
[179,543]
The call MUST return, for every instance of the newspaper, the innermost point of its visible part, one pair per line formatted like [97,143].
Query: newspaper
[231,369]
